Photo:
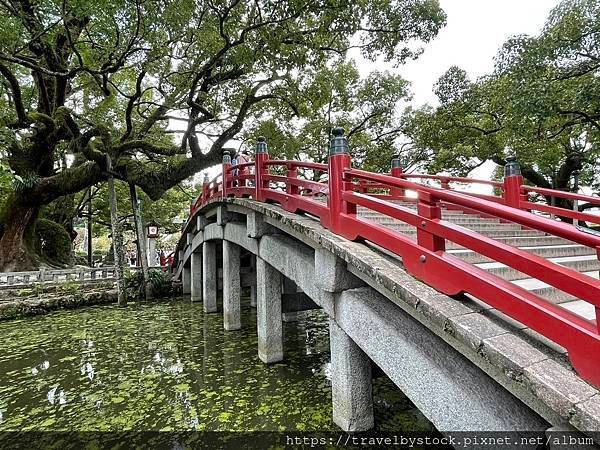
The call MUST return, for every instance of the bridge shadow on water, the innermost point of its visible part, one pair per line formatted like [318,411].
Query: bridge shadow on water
[168,366]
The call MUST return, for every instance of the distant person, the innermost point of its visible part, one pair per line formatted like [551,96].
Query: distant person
[244,157]
[234,170]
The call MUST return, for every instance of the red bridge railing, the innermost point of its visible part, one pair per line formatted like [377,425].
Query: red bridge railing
[334,202]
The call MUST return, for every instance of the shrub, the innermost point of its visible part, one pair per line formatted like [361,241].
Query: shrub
[54,243]
[161,282]
[162,285]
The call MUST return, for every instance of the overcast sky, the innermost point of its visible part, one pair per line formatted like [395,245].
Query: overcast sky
[475,30]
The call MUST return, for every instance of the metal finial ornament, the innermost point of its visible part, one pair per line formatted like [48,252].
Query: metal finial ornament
[339,143]
[226,157]
[261,145]
[512,167]
[396,163]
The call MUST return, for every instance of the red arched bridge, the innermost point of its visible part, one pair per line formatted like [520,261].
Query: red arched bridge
[515,289]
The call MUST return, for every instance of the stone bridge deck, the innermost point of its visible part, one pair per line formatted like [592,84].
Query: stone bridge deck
[465,365]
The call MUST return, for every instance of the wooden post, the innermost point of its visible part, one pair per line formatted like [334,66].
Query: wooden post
[339,159]
[117,236]
[512,183]
[89,229]
[141,242]
[397,172]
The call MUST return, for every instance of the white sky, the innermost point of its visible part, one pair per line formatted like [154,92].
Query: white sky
[475,30]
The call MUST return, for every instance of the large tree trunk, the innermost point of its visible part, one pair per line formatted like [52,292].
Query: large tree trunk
[17,250]
[141,242]
[117,237]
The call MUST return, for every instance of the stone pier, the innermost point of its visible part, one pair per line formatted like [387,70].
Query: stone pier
[231,286]
[268,312]
[196,277]
[186,280]
[350,382]
[253,287]
[209,276]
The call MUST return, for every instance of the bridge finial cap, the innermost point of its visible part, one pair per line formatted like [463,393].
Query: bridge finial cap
[512,167]
[339,143]
[396,164]
[261,145]
[226,156]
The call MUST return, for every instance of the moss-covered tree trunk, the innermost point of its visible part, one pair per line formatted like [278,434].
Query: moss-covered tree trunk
[17,250]
[117,236]
[141,242]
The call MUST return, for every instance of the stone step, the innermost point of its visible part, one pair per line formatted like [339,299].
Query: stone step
[458,219]
[548,292]
[578,263]
[475,226]
[361,210]
[501,233]
[548,251]
[523,241]
[581,308]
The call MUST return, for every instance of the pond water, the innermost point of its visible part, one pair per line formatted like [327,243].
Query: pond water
[168,366]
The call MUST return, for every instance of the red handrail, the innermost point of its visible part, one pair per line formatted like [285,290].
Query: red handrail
[297,164]
[514,215]
[562,194]
[426,257]
[451,179]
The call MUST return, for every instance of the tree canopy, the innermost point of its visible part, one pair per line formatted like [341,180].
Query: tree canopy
[85,80]
[541,103]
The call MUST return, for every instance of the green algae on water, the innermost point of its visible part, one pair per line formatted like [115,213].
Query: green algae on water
[168,366]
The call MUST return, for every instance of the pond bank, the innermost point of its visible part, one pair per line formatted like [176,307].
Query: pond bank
[37,305]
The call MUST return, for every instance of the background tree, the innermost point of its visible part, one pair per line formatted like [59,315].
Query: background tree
[83,79]
[541,103]
[337,96]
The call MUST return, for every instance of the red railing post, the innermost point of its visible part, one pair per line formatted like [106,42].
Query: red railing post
[227,175]
[397,172]
[445,183]
[205,182]
[513,180]
[292,172]
[428,207]
[262,155]
[339,159]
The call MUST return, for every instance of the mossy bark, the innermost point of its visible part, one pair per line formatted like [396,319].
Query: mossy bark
[141,242]
[17,249]
[117,237]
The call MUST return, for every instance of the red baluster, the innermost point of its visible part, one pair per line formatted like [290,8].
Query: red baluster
[429,208]
[292,173]
[339,159]
[397,172]
[445,181]
[512,183]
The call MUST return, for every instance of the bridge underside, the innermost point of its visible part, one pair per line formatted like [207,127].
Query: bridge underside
[462,368]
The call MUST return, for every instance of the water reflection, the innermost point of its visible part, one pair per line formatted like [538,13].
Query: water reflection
[55,396]
[169,366]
